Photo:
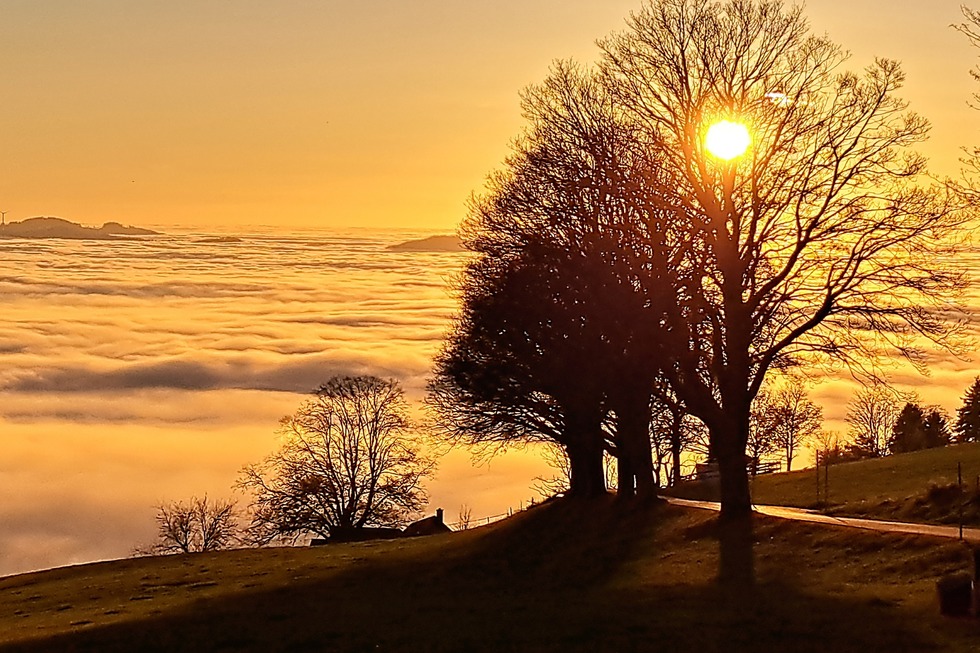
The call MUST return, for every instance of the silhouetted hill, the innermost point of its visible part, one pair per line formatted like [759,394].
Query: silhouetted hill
[60,228]
[430,244]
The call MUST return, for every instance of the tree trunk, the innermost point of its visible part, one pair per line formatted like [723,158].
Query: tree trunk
[626,478]
[633,429]
[675,448]
[729,450]
[736,563]
[584,447]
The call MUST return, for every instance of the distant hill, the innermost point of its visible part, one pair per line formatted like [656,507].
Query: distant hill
[61,228]
[430,244]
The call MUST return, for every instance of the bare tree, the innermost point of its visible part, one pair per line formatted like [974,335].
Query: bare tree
[871,415]
[762,440]
[822,242]
[465,517]
[197,526]
[827,447]
[796,419]
[560,479]
[971,29]
[676,436]
[348,460]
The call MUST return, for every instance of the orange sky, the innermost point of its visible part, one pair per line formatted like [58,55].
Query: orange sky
[320,113]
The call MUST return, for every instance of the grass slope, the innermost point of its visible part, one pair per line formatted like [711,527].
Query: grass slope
[918,487]
[560,577]
[910,487]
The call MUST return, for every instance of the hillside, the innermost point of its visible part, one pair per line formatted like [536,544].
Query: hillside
[917,486]
[559,577]
[888,487]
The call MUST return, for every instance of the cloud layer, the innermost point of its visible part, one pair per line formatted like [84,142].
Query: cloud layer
[136,372]
[132,359]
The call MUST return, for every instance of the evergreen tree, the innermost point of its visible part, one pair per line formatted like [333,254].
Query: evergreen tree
[936,428]
[919,428]
[968,415]
[909,431]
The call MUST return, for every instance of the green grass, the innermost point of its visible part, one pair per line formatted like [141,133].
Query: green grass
[562,577]
[911,487]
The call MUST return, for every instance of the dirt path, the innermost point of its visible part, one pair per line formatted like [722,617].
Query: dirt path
[800,514]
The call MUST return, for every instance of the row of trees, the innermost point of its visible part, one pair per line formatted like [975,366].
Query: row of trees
[784,421]
[621,266]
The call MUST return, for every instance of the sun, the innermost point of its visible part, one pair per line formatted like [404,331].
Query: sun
[727,140]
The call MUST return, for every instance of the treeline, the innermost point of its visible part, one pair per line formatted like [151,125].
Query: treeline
[880,424]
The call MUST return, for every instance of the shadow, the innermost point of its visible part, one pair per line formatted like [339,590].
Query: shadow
[564,576]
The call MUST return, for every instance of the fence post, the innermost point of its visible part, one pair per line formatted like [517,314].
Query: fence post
[959,484]
[817,467]
[826,483]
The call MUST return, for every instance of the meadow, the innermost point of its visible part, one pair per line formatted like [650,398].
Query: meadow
[563,576]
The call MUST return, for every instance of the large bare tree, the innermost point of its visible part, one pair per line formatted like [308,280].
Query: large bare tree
[349,459]
[822,242]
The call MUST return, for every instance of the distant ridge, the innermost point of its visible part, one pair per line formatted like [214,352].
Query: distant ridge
[42,227]
[430,244]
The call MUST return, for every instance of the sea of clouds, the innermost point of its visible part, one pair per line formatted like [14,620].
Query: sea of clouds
[135,372]
[139,371]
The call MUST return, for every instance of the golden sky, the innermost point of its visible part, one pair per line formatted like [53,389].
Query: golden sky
[320,113]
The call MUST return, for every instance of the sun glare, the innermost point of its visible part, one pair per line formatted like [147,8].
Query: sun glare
[727,140]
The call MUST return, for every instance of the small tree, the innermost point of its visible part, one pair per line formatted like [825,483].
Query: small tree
[465,517]
[347,461]
[762,433]
[796,419]
[871,416]
[968,415]
[827,447]
[198,526]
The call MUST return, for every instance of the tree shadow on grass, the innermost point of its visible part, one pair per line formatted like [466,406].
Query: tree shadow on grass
[566,576]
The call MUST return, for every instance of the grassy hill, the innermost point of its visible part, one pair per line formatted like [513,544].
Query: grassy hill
[918,486]
[559,577]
